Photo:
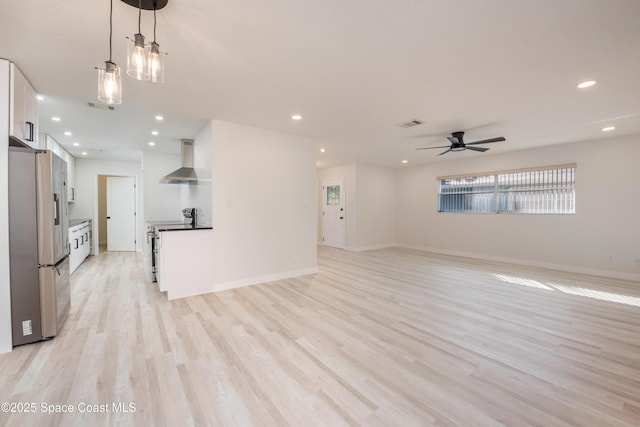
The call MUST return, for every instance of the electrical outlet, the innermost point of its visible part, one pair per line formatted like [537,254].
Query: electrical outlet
[610,258]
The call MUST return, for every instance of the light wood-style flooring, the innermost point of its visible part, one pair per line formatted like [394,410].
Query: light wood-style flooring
[391,337]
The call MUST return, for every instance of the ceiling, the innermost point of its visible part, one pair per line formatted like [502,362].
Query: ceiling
[352,68]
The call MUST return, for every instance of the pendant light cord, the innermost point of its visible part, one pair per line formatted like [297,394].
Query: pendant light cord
[154,24]
[110,29]
[139,15]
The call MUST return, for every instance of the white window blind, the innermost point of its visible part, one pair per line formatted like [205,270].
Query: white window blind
[544,190]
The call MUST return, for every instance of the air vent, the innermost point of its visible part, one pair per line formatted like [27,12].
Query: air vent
[101,106]
[409,124]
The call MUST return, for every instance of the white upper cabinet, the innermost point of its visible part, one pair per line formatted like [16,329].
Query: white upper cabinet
[23,112]
[52,145]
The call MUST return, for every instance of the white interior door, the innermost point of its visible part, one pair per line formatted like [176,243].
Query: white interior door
[333,214]
[121,213]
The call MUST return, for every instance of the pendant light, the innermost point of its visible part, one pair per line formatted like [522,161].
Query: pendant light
[109,80]
[137,53]
[156,58]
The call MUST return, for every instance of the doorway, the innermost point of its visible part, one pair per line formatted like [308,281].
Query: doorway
[333,214]
[116,213]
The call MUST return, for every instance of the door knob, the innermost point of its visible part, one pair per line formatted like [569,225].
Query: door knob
[341,217]
[108,217]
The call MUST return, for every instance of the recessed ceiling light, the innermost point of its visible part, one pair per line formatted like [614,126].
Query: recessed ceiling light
[608,129]
[76,144]
[151,143]
[154,132]
[55,118]
[405,161]
[84,153]
[66,132]
[40,97]
[296,117]
[322,150]
[586,84]
[159,118]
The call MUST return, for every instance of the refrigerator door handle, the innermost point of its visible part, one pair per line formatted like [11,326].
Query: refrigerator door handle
[56,208]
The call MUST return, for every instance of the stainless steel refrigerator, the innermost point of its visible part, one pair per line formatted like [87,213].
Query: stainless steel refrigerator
[38,244]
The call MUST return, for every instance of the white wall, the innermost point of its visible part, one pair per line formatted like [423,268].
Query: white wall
[199,196]
[605,223]
[264,205]
[376,209]
[161,202]
[370,205]
[86,205]
[6,340]
[101,231]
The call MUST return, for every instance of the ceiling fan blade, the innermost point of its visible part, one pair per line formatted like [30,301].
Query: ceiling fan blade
[429,148]
[444,152]
[486,141]
[453,140]
[481,149]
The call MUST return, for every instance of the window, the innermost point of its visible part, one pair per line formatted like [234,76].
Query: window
[333,195]
[545,190]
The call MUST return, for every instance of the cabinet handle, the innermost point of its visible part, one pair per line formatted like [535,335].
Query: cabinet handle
[76,243]
[29,131]
[82,241]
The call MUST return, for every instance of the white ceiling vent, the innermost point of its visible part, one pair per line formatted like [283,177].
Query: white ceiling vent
[101,106]
[410,123]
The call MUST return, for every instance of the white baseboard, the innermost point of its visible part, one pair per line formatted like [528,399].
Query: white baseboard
[225,286]
[529,263]
[369,248]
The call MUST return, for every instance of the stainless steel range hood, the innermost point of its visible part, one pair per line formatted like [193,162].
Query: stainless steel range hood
[186,174]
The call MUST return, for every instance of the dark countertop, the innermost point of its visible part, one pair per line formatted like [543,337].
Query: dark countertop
[74,222]
[183,227]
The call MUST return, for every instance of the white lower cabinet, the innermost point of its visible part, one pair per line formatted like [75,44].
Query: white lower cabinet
[80,244]
[185,273]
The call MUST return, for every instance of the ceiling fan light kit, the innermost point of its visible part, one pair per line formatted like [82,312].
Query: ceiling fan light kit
[458,144]
[145,61]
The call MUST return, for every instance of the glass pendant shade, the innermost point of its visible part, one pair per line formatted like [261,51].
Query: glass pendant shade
[156,63]
[137,53]
[110,84]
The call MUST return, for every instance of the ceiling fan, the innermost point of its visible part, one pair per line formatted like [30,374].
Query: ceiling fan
[457,144]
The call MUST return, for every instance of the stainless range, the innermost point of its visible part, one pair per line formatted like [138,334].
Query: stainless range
[153,235]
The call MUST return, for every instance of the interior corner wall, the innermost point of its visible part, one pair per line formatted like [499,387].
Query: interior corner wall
[161,202]
[86,205]
[264,205]
[376,209]
[605,223]
[370,205]
[199,195]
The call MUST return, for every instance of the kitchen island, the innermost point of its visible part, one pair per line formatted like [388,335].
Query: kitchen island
[185,259]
